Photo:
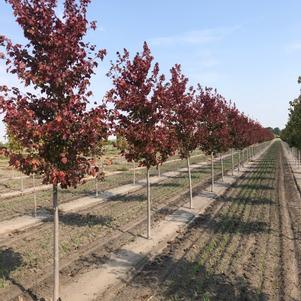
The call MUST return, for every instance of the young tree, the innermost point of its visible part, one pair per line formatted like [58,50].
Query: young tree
[137,97]
[14,146]
[214,133]
[182,116]
[233,126]
[97,153]
[53,124]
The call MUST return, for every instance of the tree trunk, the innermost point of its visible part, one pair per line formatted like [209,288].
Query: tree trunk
[96,187]
[96,181]
[34,195]
[148,204]
[242,158]
[159,171]
[238,160]
[232,161]
[190,185]
[55,244]
[212,172]
[134,173]
[22,184]
[222,166]
[298,159]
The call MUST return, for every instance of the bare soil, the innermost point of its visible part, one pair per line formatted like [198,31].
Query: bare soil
[87,237]
[246,246]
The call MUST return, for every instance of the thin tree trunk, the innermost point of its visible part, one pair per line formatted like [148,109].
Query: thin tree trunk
[189,176]
[22,183]
[148,204]
[55,244]
[159,171]
[232,161]
[242,158]
[96,181]
[212,172]
[134,173]
[222,166]
[96,187]
[34,195]
[238,160]
[298,159]
[102,166]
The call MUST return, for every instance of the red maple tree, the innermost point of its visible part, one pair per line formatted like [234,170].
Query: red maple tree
[213,132]
[53,123]
[182,116]
[138,114]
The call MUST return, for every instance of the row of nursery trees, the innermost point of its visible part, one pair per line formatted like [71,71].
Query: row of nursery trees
[52,122]
[291,132]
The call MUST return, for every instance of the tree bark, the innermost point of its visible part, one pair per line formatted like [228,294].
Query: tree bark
[238,160]
[148,205]
[159,171]
[190,184]
[232,161]
[55,244]
[22,184]
[222,166]
[34,195]
[96,187]
[212,172]
[134,173]
[96,180]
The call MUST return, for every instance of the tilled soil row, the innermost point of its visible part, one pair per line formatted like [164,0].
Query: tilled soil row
[24,204]
[110,234]
[240,249]
[191,240]
[290,206]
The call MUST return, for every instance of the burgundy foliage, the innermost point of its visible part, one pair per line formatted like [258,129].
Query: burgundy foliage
[181,113]
[213,132]
[139,118]
[53,123]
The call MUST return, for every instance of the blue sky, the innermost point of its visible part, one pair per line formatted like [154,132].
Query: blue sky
[248,50]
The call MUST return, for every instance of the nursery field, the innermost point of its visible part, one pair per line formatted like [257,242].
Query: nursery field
[246,246]
[89,235]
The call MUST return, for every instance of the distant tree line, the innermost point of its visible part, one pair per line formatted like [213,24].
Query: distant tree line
[292,130]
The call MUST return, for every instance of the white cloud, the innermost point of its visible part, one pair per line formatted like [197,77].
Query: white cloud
[194,37]
[294,46]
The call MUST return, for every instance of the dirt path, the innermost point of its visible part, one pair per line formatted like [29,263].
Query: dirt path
[247,249]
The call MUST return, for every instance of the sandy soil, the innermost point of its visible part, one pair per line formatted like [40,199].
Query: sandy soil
[247,246]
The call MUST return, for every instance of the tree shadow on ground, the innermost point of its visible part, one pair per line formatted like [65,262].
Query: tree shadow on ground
[9,261]
[226,224]
[128,198]
[253,177]
[251,201]
[164,184]
[253,186]
[166,278]
[82,220]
